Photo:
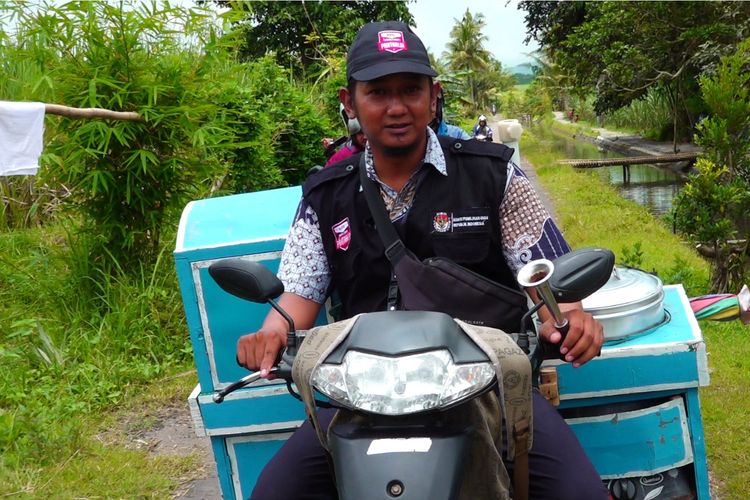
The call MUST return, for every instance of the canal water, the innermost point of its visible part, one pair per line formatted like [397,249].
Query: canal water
[650,185]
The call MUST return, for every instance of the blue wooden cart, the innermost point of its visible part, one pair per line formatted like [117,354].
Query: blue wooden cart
[635,409]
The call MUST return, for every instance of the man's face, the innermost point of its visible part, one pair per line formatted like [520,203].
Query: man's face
[393,111]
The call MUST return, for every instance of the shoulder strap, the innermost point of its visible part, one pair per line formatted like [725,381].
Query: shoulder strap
[394,247]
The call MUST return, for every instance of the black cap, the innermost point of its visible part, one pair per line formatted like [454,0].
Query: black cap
[385,48]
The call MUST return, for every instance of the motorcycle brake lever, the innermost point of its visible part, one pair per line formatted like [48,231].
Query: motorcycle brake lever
[244,381]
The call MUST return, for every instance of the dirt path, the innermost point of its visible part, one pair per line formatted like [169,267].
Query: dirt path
[177,435]
[528,169]
[173,434]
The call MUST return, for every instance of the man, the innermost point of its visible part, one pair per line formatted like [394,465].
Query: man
[332,244]
[344,147]
[440,126]
[481,130]
[354,145]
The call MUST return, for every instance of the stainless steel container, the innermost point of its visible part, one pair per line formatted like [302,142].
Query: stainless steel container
[630,303]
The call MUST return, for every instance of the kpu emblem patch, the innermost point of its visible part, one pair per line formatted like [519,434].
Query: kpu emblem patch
[343,234]
[441,222]
[463,220]
[391,41]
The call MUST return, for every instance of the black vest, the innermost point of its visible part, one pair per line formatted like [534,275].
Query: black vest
[454,216]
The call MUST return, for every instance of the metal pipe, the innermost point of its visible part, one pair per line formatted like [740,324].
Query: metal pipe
[536,275]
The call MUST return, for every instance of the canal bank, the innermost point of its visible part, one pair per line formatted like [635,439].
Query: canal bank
[646,184]
[626,144]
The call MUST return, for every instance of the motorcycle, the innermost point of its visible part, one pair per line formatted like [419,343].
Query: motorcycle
[483,137]
[404,386]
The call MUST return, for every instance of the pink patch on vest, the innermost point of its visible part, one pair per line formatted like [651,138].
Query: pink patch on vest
[391,41]
[343,233]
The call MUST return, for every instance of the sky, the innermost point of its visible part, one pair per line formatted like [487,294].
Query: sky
[504,28]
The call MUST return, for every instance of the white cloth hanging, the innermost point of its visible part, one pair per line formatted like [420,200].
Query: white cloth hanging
[21,137]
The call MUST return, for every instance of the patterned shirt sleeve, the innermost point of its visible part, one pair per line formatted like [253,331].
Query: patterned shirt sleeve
[304,266]
[528,229]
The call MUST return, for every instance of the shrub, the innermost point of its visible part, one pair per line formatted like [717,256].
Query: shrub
[712,209]
[159,61]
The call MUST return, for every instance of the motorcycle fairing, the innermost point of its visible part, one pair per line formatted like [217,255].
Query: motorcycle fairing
[382,333]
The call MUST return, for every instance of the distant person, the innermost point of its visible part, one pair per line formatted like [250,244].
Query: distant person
[440,126]
[354,145]
[482,131]
[494,109]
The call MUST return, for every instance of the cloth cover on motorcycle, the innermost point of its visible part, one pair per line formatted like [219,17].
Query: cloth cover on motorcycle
[485,475]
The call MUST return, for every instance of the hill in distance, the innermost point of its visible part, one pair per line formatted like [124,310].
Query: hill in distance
[521,69]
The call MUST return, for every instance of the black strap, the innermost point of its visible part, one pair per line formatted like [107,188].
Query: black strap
[394,247]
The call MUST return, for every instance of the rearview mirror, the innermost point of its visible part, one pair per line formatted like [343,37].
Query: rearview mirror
[580,273]
[246,279]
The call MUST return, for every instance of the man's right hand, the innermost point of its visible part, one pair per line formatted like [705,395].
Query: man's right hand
[260,350]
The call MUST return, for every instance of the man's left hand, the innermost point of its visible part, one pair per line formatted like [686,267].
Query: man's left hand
[583,341]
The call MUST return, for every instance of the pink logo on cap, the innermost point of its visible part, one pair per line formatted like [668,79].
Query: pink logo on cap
[391,41]
[343,233]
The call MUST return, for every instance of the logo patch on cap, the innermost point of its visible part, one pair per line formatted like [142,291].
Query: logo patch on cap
[343,233]
[391,41]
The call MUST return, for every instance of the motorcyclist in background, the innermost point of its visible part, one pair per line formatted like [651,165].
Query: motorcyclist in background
[482,131]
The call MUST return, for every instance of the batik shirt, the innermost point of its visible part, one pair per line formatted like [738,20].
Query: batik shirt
[528,231]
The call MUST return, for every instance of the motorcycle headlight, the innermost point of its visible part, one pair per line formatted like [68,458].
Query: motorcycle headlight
[401,385]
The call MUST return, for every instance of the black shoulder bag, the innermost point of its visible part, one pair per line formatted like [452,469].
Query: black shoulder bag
[438,283]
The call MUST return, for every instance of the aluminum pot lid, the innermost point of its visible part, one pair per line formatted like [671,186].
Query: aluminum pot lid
[627,288]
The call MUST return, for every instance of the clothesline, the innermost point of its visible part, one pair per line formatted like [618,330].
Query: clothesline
[22,131]
[57,109]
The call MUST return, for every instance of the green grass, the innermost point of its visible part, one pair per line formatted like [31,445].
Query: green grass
[105,464]
[74,344]
[649,116]
[591,213]
[726,410]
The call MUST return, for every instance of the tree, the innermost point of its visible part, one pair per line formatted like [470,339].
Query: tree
[301,34]
[620,50]
[125,177]
[466,51]
[551,79]
[726,92]
[550,23]
[712,208]
[482,76]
